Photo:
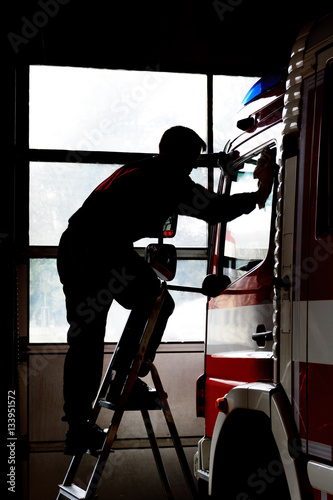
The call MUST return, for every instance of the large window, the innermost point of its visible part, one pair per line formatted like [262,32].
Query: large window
[83,124]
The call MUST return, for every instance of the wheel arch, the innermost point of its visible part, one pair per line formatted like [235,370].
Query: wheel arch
[258,422]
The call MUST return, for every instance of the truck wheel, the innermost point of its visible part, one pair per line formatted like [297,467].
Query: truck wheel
[203,490]
[247,464]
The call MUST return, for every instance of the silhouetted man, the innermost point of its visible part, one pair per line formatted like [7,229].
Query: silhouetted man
[97,262]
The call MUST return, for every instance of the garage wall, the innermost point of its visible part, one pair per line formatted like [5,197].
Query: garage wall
[131,472]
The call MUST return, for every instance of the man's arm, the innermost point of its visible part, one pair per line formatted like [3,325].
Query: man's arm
[203,204]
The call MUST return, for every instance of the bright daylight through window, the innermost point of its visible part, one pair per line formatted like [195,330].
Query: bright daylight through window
[84,111]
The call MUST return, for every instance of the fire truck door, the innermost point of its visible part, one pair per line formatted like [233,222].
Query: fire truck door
[239,326]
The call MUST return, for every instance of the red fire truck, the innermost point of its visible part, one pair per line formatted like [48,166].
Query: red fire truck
[267,390]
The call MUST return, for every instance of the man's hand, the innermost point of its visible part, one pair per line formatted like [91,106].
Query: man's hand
[264,172]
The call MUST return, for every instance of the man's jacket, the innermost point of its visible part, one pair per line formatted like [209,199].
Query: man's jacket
[136,200]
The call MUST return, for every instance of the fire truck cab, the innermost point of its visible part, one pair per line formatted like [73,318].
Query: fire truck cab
[267,390]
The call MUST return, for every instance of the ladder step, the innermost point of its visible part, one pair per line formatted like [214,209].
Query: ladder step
[73,492]
[151,405]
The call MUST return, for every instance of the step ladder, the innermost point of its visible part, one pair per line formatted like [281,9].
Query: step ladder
[68,489]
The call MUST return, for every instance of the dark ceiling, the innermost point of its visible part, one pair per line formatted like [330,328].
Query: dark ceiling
[235,37]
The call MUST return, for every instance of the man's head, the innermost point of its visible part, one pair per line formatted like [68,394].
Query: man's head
[183,144]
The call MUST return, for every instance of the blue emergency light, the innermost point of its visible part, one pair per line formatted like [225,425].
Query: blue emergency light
[263,86]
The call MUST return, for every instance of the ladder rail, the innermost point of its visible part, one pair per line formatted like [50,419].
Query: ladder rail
[173,431]
[156,453]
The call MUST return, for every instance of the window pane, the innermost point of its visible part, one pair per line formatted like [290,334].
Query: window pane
[47,303]
[47,306]
[57,190]
[112,110]
[48,314]
[228,92]
[190,232]
[247,237]
[187,323]
[190,273]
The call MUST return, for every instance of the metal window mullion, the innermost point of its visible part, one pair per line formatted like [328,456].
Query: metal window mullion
[104,157]
[95,157]
[21,167]
[210,149]
[183,253]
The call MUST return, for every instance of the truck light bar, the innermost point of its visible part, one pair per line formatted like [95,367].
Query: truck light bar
[264,86]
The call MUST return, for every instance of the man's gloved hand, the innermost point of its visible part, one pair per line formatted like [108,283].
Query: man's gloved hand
[264,172]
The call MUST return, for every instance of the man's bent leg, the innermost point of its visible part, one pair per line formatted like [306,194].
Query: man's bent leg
[140,295]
